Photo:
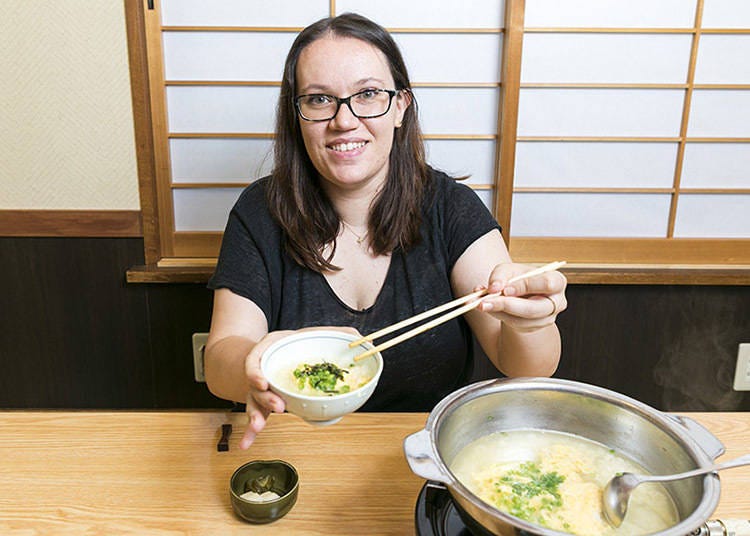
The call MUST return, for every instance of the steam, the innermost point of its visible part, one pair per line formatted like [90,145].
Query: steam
[697,372]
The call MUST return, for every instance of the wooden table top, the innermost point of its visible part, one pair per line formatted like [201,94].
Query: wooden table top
[92,472]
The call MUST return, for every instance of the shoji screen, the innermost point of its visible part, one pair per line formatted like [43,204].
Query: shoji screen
[634,132]
[618,135]
[215,69]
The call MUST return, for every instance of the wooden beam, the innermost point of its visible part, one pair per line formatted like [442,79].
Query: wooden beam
[71,223]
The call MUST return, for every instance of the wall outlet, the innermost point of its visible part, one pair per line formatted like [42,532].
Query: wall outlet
[742,372]
[199,346]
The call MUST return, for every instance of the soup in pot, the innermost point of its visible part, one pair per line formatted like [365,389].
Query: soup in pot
[555,480]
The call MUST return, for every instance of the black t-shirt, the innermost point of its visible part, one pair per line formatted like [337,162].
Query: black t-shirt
[418,372]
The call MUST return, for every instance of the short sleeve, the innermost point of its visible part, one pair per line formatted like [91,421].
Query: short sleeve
[465,218]
[249,252]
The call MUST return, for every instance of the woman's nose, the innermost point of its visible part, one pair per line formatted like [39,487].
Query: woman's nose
[344,118]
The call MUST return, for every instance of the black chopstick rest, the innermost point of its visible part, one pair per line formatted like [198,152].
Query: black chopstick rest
[223,444]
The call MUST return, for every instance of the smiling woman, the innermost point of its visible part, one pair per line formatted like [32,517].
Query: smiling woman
[348,149]
[354,231]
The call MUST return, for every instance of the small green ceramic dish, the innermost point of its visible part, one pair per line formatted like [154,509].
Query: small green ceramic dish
[261,476]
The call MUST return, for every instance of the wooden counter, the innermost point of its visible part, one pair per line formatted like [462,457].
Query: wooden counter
[160,472]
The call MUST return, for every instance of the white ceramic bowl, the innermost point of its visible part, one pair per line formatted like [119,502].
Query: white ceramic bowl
[286,354]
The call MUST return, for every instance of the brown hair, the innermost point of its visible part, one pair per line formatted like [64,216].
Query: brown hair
[295,197]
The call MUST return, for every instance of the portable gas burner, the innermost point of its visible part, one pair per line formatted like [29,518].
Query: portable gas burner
[436,514]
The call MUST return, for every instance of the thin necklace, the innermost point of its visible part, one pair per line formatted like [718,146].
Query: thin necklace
[360,238]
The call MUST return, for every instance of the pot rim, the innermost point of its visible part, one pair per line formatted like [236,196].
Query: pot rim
[712,487]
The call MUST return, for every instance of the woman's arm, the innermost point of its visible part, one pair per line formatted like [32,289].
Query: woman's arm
[516,329]
[237,339]
[237,324]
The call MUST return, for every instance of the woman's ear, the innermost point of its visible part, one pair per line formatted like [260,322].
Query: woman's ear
[403,101]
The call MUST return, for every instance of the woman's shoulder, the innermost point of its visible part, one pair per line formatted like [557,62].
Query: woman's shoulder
[251,209]
[449,188]
[252,201]
[255,192]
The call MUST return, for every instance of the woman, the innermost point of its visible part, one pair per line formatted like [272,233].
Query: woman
[354,230]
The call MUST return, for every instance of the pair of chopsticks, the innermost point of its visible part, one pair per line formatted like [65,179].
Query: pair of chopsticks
[470,300]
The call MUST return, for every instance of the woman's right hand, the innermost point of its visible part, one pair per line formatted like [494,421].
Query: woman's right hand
[260,401]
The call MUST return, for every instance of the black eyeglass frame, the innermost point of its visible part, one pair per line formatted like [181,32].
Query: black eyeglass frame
[346,100]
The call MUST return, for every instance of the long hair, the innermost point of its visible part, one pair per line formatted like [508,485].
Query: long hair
[295,196]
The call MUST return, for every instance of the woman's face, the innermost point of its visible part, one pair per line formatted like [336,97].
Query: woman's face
[347,151]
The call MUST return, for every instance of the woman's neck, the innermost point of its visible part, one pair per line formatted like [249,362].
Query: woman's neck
[353,205]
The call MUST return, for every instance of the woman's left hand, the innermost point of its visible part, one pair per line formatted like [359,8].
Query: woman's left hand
[528,304]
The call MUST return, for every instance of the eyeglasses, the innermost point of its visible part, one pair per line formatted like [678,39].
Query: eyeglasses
[364,105]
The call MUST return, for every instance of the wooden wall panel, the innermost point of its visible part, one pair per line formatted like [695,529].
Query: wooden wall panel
[74,334]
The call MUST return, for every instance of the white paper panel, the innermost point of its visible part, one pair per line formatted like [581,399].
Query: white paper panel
[590,215]
[428,13]
[606,58]
[221,109]
[443,57]
[599,112]
[716,165]
[726,14]
[723,59]
[720,113]
[225,55]
[464,157]
[203,209]
[595,164]
[290,13]
[219,160]
[713,216]
[458,110]
[610,13]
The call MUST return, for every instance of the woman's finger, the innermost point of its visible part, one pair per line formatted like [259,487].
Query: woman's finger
[538,308]
[256,421]
[546,284]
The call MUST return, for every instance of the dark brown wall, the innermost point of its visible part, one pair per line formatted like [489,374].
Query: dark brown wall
[74,334]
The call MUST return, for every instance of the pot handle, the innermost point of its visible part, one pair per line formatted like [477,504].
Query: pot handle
[705,439]
[419,455]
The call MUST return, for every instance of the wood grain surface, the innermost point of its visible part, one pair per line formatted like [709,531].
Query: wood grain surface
[160,472]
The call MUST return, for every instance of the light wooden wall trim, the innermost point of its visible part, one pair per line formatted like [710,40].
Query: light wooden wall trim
[605,30]
[210,185]
[144,140]
[270,83]
[196,135]
[291,29]
[190,270]
[269,135]
[639,139]
[71,223]
[623,85]
[624,274]
[686,106]
[505,160]
[650,251]
[160,129]
[195,244]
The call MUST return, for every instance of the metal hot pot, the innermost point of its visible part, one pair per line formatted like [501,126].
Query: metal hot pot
[660,442]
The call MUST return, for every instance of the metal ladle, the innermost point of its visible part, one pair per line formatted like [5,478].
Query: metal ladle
[616,493]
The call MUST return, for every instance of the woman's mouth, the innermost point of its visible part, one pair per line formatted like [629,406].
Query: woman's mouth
[346,147]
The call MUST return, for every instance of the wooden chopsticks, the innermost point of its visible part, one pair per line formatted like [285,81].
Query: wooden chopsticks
[468,302]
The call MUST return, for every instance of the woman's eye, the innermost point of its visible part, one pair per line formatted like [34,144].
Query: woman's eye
[318,100]
[368,94]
